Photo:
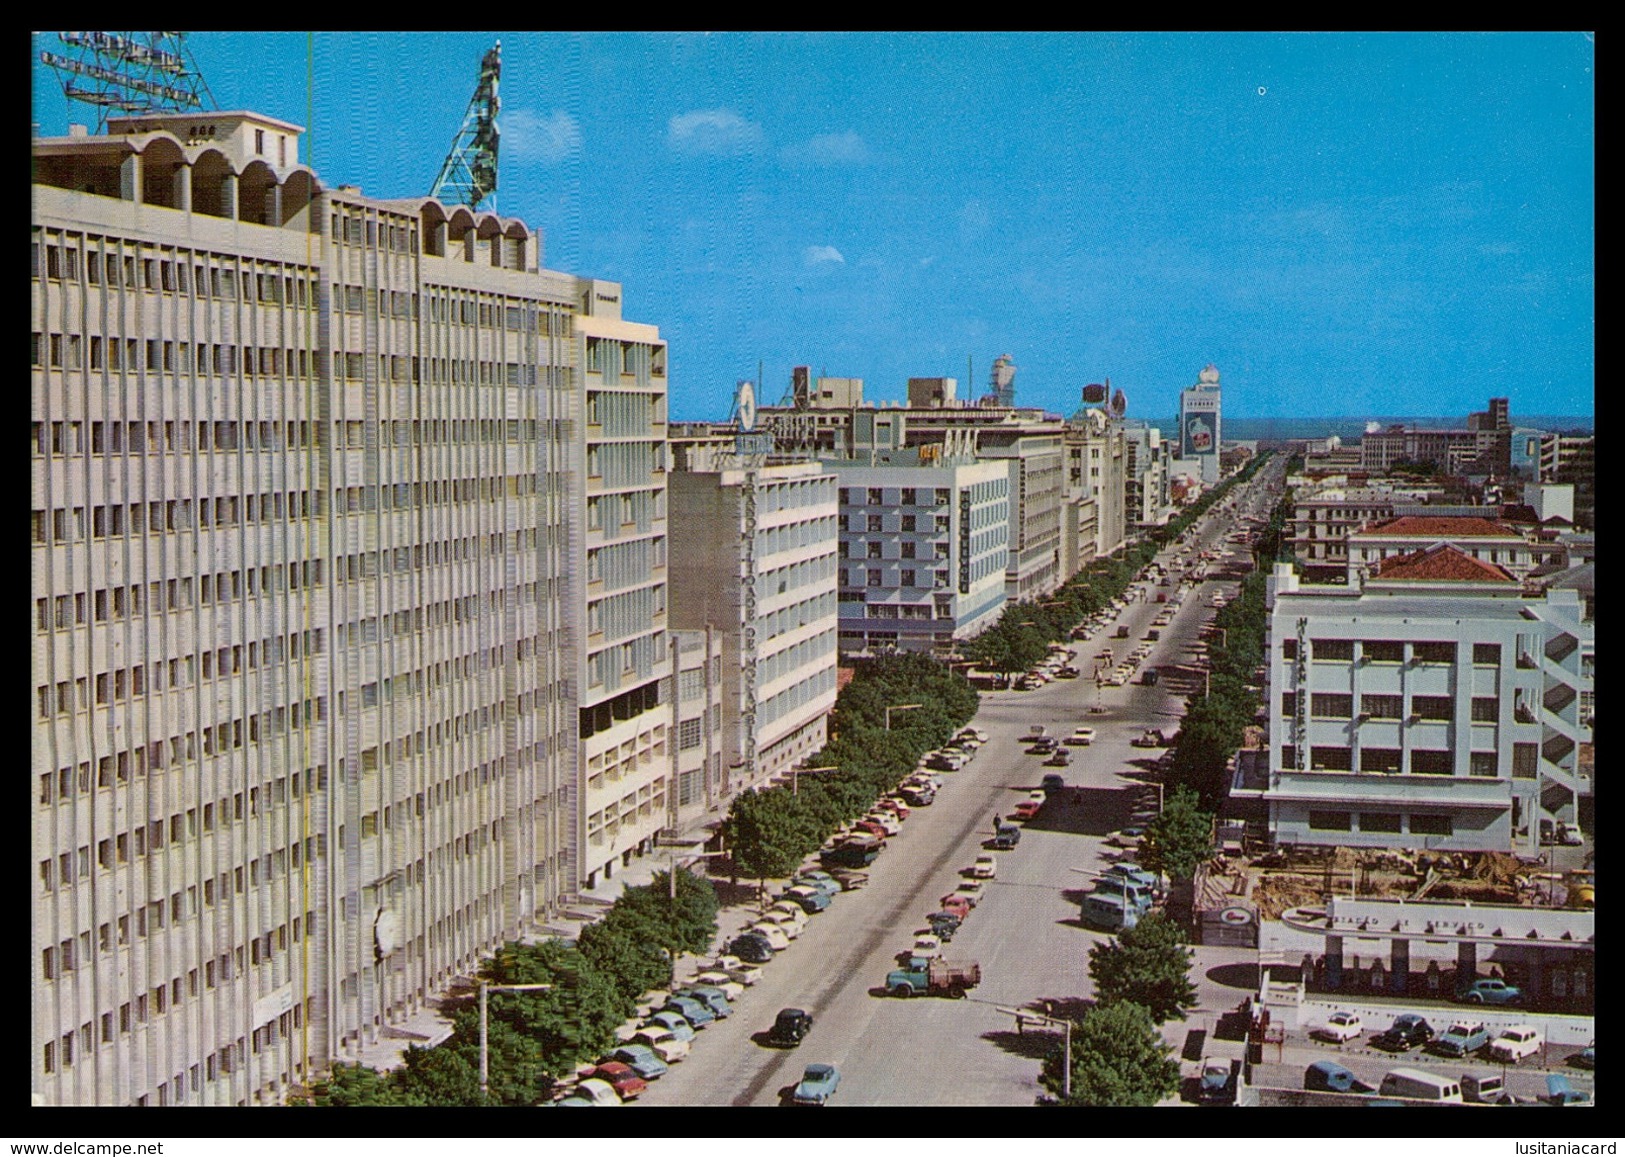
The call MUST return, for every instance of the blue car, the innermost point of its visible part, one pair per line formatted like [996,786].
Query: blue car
[641,1059]
[810,898]
[696,1012]
[818,1084]
[823,881]
[1134,874]
[673,1023]
[713,998]
[1491,990]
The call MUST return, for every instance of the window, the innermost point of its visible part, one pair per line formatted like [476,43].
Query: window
[1434,652]
[1320,821]
[1379,822]
[688,734]
[1289,649]
[1384,652]
[941,579]
[1486,709]
[874,524]
[909,578]
[1430,825]
[1380,760]
[908,522]
[908,550]
[1485,764]
[1331,706]
[873,550]
[1486,654]
[1525,760]
[1424,762]
[1331,759]
[876,496]
[1289,704]
[943,497]
[1435,707]
[1332,650]
[874,578]
[1382,706]
[909,497]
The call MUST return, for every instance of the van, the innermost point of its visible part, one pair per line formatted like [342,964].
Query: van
[1108,911]
[1483,1090]
[1416,1085]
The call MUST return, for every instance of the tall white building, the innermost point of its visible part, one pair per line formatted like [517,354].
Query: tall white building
[1436,707]
[618,589]
[1199,428]
[309,471]
[759,567]
[924,545]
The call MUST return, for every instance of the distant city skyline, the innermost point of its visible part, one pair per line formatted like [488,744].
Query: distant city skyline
[1344,224]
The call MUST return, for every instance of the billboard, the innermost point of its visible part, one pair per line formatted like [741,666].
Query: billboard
[1199,423]
[1094,393]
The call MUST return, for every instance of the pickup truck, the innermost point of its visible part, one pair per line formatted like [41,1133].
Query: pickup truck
[933,977]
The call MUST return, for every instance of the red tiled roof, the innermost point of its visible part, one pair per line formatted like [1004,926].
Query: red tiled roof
[1440,564]
[1440,526]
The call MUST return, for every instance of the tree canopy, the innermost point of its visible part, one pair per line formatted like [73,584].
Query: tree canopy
[1148,965]
[1180,838]
[1118,1058]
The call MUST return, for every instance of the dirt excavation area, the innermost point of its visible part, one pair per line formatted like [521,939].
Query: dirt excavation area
[1292,877]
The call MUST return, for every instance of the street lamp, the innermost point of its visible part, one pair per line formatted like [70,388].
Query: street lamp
[795,774]
[1023,1015]
[485,1073]
[899,707]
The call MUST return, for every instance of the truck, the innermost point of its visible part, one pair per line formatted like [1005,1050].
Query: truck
[933,977]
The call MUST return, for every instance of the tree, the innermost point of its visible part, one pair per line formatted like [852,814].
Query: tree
[595,986]
[439,1077]
[764,835]
[1118,1058]
[625,949]
[349,1085]
[690,919]
[1148,965]
[1180,838]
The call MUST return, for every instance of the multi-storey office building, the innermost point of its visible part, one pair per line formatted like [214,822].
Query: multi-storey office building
[1145,477]
[623,659]
[1199,424]
[924,540]
[760,568]
[1095,456]
[306,472]
[1436,707]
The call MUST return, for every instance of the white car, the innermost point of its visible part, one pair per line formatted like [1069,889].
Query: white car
[972,890]
[788,916]
[1340,1027]
[737,970]
[1515,1043]
[985,867]
[731,988]
[927,945]
[1115,679]
[664,1042]
[777,938]
[599,1091]
[1081,737]
[976,734]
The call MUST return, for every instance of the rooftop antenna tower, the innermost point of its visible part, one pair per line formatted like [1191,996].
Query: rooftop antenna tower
[124,73]
[469,174]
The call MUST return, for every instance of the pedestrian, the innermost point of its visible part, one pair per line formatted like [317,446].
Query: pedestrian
[995,823]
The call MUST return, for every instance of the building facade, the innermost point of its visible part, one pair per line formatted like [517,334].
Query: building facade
[304,745]
[924,546]
[1437,707]
[1199,428]
[760,568]
[696,724]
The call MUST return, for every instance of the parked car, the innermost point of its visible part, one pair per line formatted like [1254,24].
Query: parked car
[959,905]
[1491,990]
[1026,809]
[642,1059]
[1462,1038]
[926,944]
[1560,1092]
[619,1076]
[712,997]
[811,899]
[1485,1090]
[1060,758]
[790,1027]
[919,796]
[894,804]
[696,1012]
[972,890]
[888,822]
[791,917]
[1328,1077]
[851,879]
[1126,838]
[772,933]
[818,1084]
[752,947]
[814,878]
[985,867]
[663,1042]
[730,988]
[1053,782]
[1216,1085]
[738,970]
[1081,737]
[1515,1043]
[1407,1031]
[1340,1027]
[1134,874]
[943,924]
[1586,1058]
[597,1091]
[673,1022]
[875,828]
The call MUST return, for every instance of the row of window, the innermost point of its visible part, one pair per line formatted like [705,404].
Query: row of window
[170,437]
[1391,651]
[1484,709]
[1390,760]
[608,357]
[906,523]
[175,274]
[159,355]
[1421,824]
[856,548]
[907,577]
[906,496]
[64,525]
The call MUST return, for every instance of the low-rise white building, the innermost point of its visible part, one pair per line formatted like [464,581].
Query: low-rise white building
[1436,707]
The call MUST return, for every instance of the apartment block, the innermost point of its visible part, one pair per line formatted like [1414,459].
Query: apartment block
[924,546]
[696,703]
[760,569]
[306,482]
[621,657]
[1435,707]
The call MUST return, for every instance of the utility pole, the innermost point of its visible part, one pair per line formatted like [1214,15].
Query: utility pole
[485,1063]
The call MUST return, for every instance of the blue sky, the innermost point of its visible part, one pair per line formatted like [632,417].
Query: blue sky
[1343,224]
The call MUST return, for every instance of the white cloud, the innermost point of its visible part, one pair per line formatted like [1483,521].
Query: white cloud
[530,136]
[827,149]
[714,130]
[815,255]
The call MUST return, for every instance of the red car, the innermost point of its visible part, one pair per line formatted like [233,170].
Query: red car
[896,806]
[626,1083]
[1027,809]
[957,903]
[870,827]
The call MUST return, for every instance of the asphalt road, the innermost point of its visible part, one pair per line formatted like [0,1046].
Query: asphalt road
[1025,932]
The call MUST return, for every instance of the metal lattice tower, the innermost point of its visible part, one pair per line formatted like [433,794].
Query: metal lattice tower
[129,72]
[469,175]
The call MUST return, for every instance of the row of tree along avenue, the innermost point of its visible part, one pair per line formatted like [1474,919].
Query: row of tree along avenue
[536,1036]
[769,832]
